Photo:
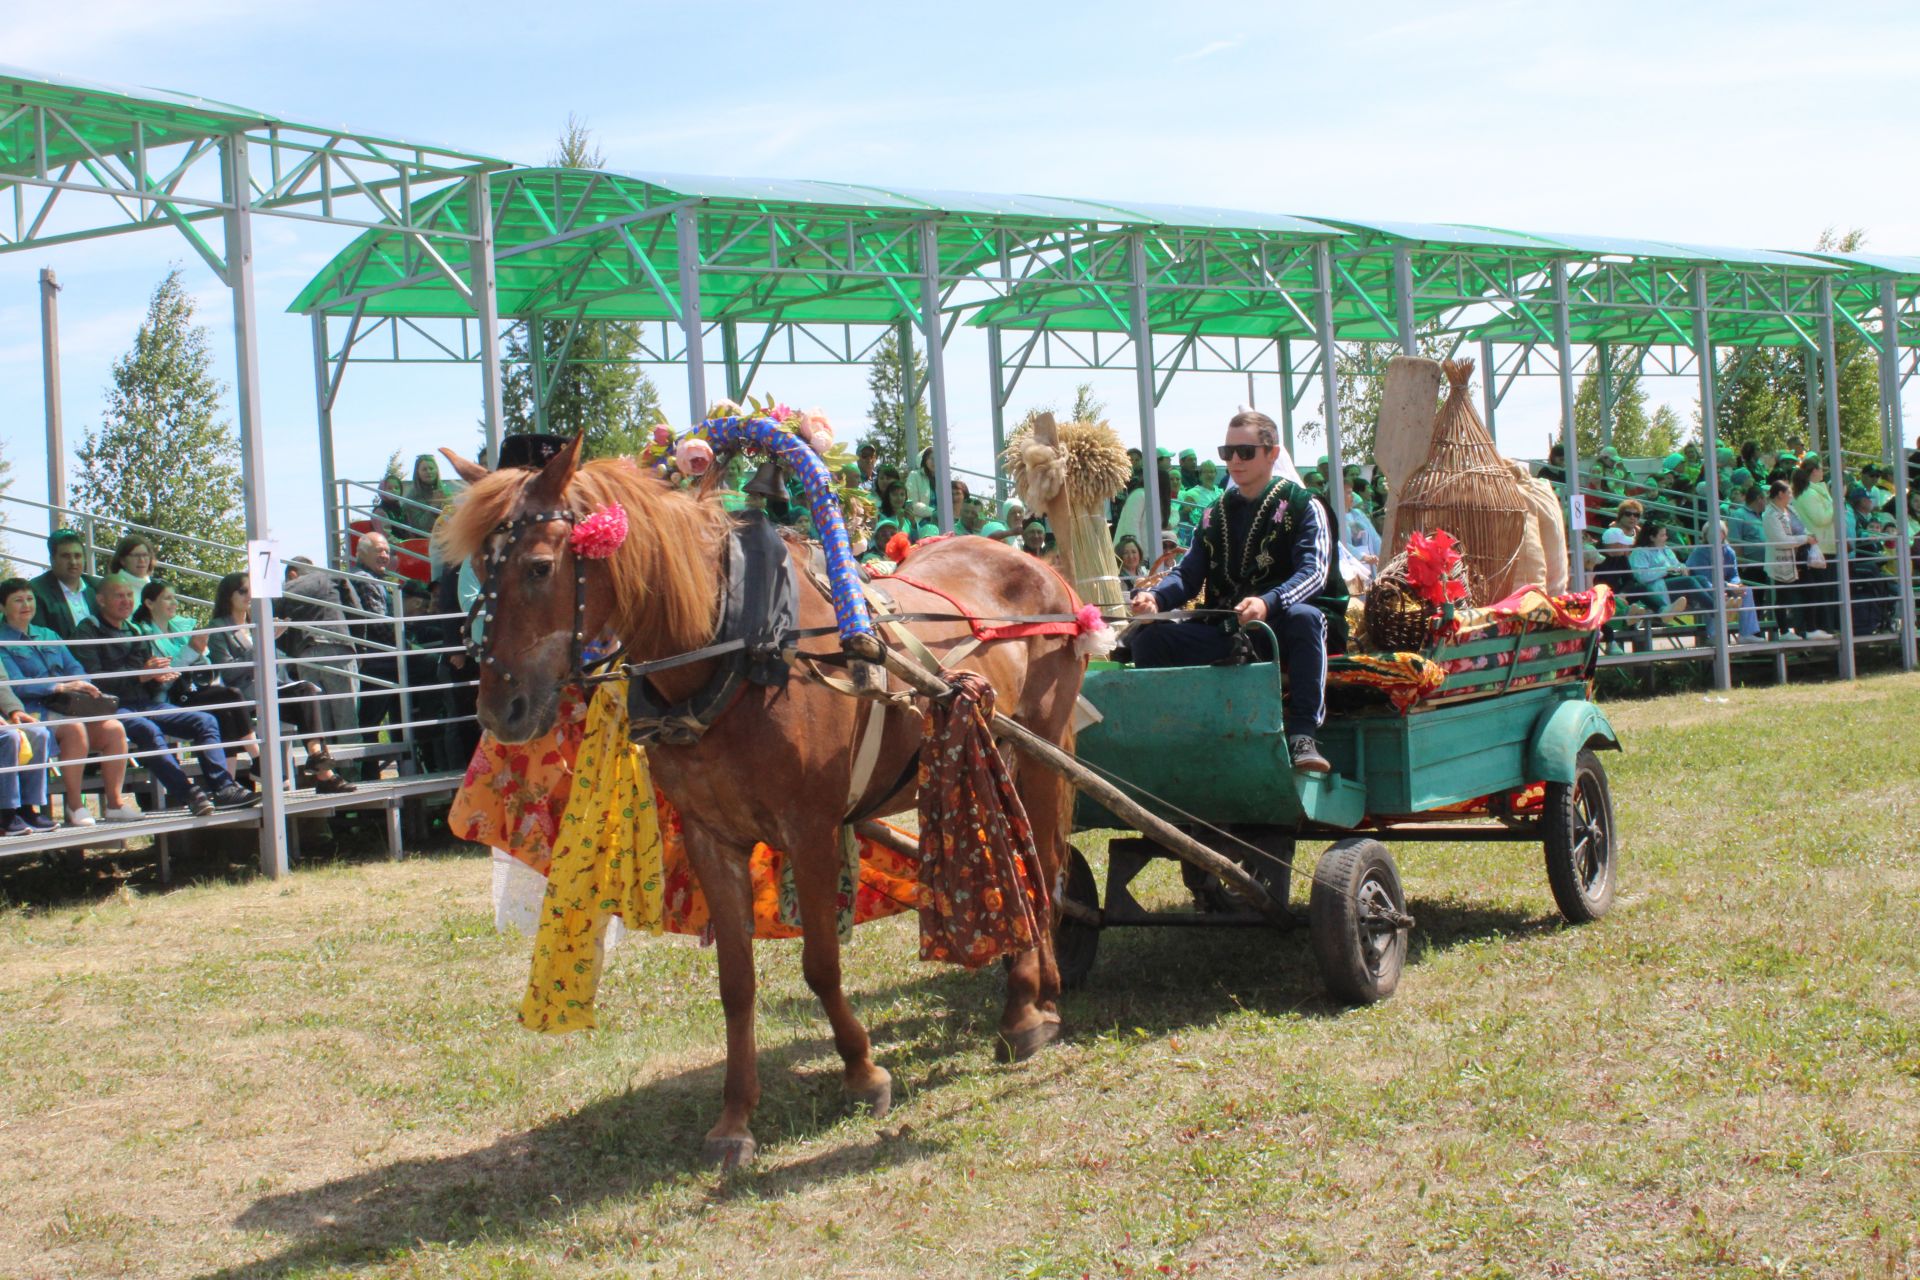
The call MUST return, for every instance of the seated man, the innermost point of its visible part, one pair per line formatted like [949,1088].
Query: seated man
[1265,551]
[63,595]
[125,666]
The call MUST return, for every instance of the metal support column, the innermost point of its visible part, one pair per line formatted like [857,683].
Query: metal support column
[997,403]
[537,365]
[50,380]
[1709,442]
[1836,480]
[1488,397]
[1603,355]
[1403,301]
[253,459]
[909,398]
[1330,384]
[1141,325]
[936,371]
[1286,392]
[1896,434]
[1570,439]
[486,304]
[323,394]
[730,353]
[686,230]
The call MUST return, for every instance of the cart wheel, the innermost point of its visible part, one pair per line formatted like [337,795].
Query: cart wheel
[1075,942]
[1580,845]
[1359,919]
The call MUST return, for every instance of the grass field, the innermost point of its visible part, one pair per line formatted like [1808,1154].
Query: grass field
[323,1077]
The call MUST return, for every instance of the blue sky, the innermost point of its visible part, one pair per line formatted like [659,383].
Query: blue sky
[1752,124]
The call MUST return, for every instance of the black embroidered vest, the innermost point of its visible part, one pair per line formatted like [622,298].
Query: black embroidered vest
[1263,558]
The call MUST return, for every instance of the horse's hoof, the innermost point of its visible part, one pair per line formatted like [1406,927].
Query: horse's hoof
[728,1153]
[1022,1045]
[875,1098]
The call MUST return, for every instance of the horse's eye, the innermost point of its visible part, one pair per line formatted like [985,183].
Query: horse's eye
[539,570]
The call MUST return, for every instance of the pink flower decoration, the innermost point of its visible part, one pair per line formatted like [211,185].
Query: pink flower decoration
[1088,619]
[693,457]
[600,534]
[662,433]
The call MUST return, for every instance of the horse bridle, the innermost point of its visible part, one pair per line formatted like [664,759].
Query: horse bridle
[487,602]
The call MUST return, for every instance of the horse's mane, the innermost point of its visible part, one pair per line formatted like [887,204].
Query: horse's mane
[664,577]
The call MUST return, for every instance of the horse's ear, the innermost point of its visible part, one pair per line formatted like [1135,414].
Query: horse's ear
[471,472]
[549,488]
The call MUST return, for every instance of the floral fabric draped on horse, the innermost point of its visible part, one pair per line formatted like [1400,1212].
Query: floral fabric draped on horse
[577,806]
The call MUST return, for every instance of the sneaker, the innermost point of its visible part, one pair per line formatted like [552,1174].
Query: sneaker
[36,820]
[78,817]
[1306,755]
[199,803]
[13,826]
[1818,634]
[127,811]
[233,796]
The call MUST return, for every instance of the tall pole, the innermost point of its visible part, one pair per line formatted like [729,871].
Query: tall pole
[486,304]
[1603,353]
[537,363]
[1897,433]
[1570,439]
[1330,388]
[686,230]
[1286,393]
[253,459]
[936,370]
[1488,396]
[1709,445]
[323,415]
[50,378]
[1836,465]
[730,352]
[909,394]
[1403,301]
[1142,326]
[997,402]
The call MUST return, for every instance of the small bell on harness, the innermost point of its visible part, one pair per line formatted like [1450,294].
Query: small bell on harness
[766,481]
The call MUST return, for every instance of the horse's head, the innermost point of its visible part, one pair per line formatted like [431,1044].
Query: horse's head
[656,592]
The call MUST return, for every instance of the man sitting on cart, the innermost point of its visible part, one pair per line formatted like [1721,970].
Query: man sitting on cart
[1265,550]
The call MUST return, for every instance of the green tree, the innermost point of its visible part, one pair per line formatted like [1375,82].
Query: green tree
[1361,370]
[163,456]
[886,417]
[1663,435]
[598,390]
[1635,433]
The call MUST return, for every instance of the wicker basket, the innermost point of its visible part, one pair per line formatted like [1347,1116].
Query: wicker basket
[1396,619]
[1466,488]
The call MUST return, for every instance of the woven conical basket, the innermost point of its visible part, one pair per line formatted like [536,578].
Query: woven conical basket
[1466,488]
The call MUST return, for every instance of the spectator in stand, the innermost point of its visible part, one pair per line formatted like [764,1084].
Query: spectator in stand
[376,591]
[1189,468]
[233,650]
[124,665]
[894,503]
[26,747]
[1739,594]
[133,556]
[425,490]
[920,480]
[1358,532]
[972,516]
[1196,498]
[1869,552]
[49,678]
[390,513]
[868,460]
[1813,503]
[64,593]
[1616,546]
[1035,538]
[1746,534]
[316,637]
[159,618]
[1133,564]
[1669,588]
[1788,543]
[1555,470]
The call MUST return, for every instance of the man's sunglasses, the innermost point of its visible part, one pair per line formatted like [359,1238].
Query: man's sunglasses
[1244,452]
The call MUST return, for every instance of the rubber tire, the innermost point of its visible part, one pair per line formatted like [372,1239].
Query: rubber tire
[1581,900]
[1356,969]
[1075,942]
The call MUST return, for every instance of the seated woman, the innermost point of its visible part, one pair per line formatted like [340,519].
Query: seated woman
[1133,565]
[1670,590]
[26,747]
[232,651]
[133,556]
[47,672]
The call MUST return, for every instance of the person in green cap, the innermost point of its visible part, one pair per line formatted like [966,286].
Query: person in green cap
[1189,468]
[1203,493]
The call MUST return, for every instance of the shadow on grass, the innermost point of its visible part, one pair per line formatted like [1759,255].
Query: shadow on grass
[626,1146]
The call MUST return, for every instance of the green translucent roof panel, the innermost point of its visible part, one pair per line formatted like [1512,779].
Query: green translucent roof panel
[106,116]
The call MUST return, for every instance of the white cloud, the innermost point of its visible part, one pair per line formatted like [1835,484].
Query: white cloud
[1210,48]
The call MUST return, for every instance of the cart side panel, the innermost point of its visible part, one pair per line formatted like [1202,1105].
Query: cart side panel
[1456,752]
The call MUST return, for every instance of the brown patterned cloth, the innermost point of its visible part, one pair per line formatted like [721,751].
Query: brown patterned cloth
[979,867]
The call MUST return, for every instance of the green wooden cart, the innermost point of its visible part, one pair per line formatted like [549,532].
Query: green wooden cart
[1506,750]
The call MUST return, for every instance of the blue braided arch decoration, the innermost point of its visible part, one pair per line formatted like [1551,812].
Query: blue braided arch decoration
[764,435]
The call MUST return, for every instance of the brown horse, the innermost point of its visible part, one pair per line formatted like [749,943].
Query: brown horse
[778,764]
